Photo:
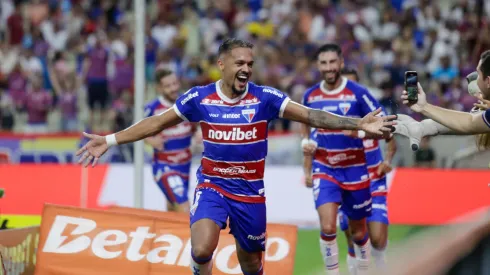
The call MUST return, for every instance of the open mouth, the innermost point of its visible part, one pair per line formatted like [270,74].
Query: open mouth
[242,79]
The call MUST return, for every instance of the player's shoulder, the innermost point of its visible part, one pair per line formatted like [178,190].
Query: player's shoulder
[356,87]
[197,93]
[265,91]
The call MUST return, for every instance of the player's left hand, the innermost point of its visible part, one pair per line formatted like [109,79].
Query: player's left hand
[377,125]
[483,104]
[384,168]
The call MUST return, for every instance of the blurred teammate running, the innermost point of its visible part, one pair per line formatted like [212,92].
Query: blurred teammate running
[378,221]
[340,175]
[172,153]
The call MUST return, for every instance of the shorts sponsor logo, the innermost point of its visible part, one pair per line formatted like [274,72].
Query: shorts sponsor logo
[256,238]
[234,170]
[213,115]
[362,205]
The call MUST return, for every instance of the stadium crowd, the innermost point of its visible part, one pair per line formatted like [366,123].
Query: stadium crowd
[71,58]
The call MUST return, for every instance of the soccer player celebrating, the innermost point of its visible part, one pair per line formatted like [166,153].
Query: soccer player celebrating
[172,154]
[460,122]
[233,114]
[340,172]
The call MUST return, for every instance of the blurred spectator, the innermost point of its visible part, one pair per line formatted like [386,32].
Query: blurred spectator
[6,111]
[95,73]
[425,156]
[445,73]
[380,39]
[15,28]
[66,87]
[37,103]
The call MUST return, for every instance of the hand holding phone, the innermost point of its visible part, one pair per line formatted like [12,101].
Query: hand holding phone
[411,80]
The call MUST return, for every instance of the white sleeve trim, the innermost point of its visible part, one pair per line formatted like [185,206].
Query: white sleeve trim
[283,106]
[177,111]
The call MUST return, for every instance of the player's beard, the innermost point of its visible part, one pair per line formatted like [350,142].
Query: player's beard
[331,80]
[238,92]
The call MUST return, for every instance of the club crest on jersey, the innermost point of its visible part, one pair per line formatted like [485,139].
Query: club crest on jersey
[344,107]
[248,114]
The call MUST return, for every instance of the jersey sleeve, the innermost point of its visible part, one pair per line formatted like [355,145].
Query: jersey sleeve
[486,117]
[276,102]
[187,106]
[368,103]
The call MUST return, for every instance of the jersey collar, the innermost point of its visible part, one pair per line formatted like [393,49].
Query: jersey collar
[227,99]
[336,90]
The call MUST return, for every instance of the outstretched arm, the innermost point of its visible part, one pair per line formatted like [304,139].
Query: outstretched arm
[461,122]
[98,145]
[321,119]
[148,127]
[458,121]
[318,118]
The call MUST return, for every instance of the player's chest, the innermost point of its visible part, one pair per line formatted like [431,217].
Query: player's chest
[233,114]
[339,107]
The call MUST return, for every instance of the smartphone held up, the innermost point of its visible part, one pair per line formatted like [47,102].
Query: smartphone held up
[411,80]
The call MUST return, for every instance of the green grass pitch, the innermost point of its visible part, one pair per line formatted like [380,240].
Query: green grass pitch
[308,260]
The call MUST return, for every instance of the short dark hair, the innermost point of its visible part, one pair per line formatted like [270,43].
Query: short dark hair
[485,63]
[350,71]
[329,48]
[232,43]
[161,73]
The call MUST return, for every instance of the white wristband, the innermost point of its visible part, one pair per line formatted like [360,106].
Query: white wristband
[361,134]
[111,140]
[304,142]
[307,141]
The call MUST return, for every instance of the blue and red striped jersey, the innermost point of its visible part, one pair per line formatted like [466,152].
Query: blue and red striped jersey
[177,139]
[234,134]
[340,158]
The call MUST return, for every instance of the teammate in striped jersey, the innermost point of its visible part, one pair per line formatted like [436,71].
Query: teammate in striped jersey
[339,171]
[233,114]
[172,147]
[378,221]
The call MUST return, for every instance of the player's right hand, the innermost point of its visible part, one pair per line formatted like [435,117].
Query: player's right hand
[410,128]
[308,181]
[92,150]
[309,147]
[421,101]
